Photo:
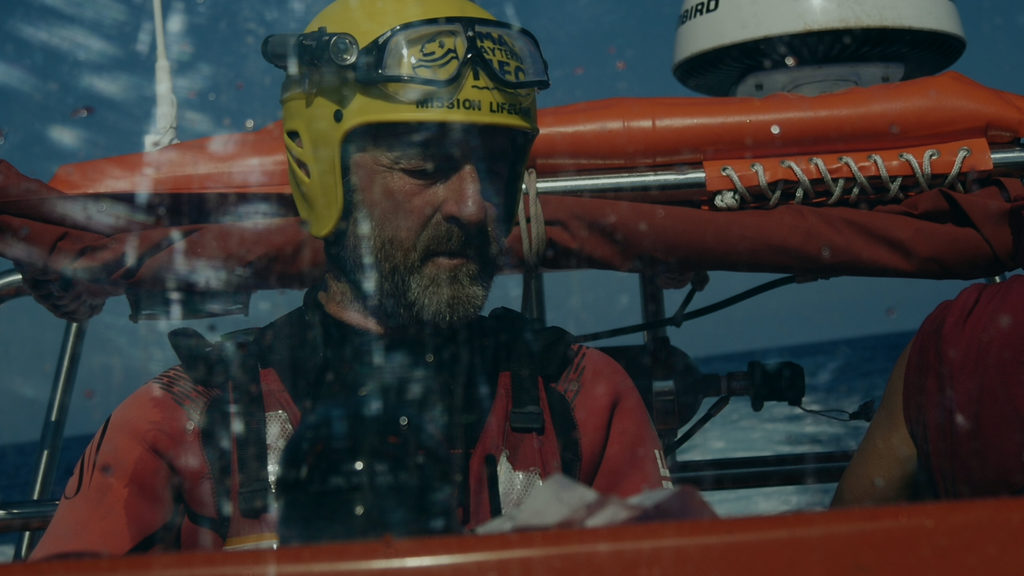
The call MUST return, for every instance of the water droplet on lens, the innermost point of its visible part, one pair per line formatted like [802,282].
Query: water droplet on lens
[83,112]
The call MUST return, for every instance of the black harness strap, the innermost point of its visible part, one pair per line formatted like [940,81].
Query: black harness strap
[526,415]
[247,395]
[528,351]
[228,368]
[567,432]
[201,361]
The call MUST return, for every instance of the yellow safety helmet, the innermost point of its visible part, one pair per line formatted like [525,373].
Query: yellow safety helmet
[366,62]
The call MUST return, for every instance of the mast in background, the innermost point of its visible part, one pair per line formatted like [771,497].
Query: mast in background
[165,125]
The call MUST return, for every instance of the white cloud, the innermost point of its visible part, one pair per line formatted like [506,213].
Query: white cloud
[116,85]
[66,137]
[197,122]
[96,12]
[15,78]
[75,41]
[144,38]
[196,77]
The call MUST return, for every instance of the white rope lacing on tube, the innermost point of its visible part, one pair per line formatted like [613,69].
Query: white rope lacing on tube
[894,185]
[861,182]
[954,175]
[924,176]
[803,183]
[727,200]
[837,188]
[763,181]
[532,230]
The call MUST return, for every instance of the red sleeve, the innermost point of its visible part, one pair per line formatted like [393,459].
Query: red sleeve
[621,453]
[125,492]
[963,392]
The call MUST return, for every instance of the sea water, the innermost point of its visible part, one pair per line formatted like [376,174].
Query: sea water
[840,376]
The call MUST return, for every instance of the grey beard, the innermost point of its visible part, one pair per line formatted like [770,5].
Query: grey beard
[399,289]
[447,297]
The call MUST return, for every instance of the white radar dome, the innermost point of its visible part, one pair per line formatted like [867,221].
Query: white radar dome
[757,47]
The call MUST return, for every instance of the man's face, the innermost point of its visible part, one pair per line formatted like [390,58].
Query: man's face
[425,232]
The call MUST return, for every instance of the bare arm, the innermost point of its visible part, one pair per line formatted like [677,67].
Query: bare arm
[883,468]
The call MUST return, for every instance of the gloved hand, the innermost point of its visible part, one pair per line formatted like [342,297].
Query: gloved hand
[66,297]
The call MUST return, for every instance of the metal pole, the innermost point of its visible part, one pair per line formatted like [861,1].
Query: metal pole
[16,516]
[692,179]
[53,428]
[10,286]
[683,179]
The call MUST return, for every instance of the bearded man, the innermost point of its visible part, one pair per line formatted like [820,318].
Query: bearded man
[397,407]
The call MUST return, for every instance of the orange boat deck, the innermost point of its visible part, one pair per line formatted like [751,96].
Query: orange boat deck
[938,539]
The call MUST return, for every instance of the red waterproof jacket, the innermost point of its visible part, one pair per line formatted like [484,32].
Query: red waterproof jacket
[963,393]
[146,481]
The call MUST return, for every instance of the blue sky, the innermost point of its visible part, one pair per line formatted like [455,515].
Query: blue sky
[76,84]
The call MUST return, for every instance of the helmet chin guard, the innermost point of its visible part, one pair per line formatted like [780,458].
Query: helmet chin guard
[355,81]
[728,48]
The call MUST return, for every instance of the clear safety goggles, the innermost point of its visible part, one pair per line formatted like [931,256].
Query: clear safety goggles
[428,53]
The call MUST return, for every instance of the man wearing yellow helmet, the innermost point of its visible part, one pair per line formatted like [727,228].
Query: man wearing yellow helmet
[406,143]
